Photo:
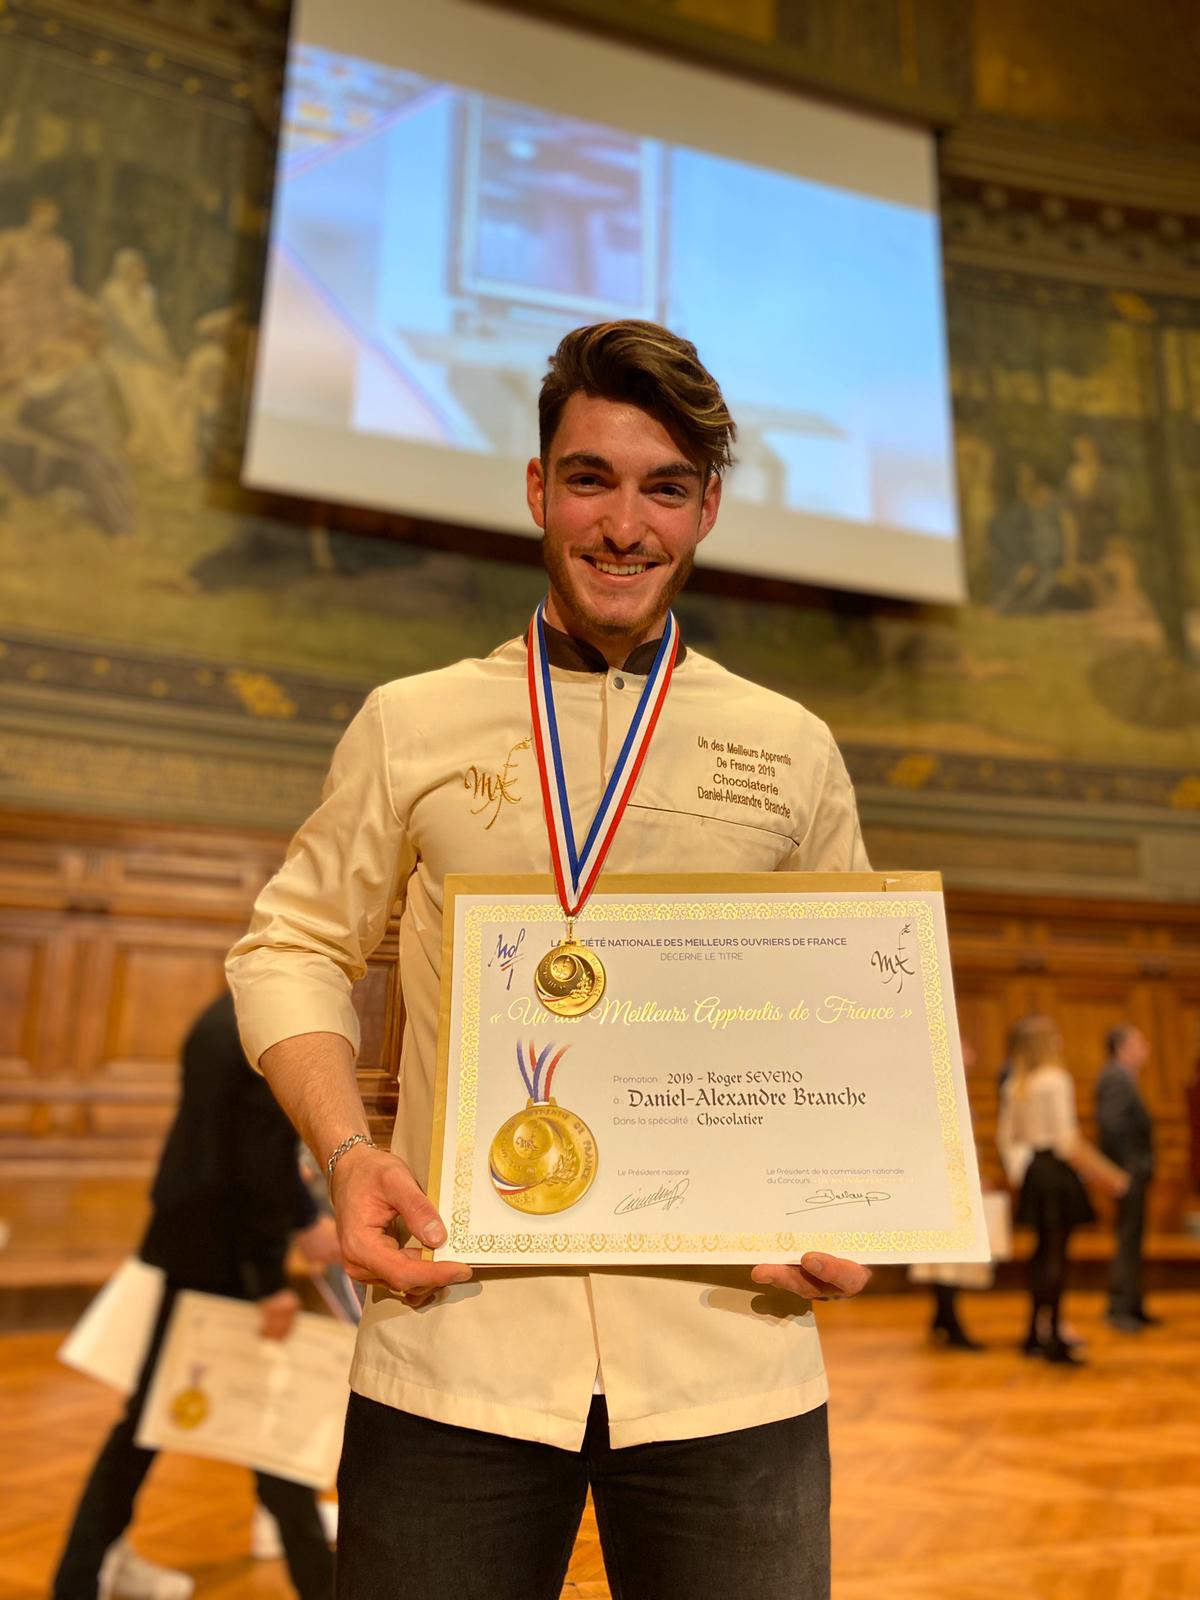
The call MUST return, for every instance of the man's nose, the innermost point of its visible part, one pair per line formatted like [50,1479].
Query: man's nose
[625,526]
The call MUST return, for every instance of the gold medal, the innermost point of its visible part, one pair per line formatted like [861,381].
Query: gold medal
[569,979]
[543,1159]
[189,1408]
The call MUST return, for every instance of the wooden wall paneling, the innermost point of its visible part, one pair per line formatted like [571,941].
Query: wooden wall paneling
[161,979]
[112,938]
[1178,1034]
[1086,1006]
[217,883]
[994,985]
[97,981]
[380,1008]
[1174,1060]
[24,959]
[158,980]
[1089,965]
[1104,971]
[983,1014]
[31,1096]
[37,870]
[135,867]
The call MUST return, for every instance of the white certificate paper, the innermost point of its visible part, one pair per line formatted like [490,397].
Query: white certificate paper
[110,1340]
[221,1390]
[774,1067]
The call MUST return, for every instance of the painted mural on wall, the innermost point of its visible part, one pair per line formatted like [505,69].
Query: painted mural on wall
[135,571]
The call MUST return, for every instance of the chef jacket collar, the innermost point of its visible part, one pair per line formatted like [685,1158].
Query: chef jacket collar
[576,655]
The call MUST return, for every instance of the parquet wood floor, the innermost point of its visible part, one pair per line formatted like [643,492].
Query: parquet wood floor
[956,1477]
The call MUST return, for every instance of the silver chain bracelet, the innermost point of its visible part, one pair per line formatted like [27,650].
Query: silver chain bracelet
[347,1144]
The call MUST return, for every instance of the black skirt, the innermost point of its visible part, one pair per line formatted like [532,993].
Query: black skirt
[1052,1195]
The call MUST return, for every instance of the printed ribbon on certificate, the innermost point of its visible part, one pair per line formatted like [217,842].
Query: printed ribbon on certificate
[570,979]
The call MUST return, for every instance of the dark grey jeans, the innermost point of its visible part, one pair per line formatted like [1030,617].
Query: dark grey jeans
[1125,1275]
[432,1512]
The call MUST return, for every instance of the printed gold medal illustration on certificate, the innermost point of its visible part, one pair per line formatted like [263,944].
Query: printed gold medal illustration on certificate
[772,1065]
[544,1158]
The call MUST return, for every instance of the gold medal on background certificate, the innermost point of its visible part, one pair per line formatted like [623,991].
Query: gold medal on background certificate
[570,978]
[190,1407]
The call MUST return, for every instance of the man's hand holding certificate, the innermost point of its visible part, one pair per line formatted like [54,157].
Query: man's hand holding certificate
[771,1068]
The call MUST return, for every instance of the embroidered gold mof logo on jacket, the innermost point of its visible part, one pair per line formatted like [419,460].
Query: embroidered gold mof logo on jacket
[492,790]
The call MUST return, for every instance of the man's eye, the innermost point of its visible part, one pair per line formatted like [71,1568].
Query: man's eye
[671,491]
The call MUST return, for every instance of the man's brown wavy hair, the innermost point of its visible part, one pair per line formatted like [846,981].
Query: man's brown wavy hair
[648,366]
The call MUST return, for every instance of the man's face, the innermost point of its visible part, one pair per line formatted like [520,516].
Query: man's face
[621,511]
[1134,1051]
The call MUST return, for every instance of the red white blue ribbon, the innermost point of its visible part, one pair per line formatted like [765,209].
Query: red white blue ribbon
[538,1079]
[576,871]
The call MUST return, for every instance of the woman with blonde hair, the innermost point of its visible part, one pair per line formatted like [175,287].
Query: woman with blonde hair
[1045,1154]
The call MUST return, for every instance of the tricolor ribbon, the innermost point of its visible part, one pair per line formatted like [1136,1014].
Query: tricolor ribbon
[576,871]
[531,1076]
[538,1088]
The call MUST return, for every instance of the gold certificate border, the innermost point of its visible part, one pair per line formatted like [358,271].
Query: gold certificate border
[604,908]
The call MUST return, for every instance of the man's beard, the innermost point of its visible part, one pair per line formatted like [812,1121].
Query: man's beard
[583,620]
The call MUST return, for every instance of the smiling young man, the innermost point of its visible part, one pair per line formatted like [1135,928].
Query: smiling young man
[691,1400]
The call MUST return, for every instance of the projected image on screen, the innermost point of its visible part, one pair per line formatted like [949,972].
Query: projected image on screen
[431,244]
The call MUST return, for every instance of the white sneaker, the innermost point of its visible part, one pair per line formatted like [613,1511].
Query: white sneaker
[265,1542]
[328,1510]
[124,1575]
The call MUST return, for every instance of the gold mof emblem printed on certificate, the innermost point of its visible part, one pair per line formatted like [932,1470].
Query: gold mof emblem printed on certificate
[544,1158]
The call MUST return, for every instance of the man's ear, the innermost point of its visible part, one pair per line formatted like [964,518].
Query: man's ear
[535,492]
[710,504]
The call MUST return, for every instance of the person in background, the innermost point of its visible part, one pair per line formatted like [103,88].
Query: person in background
[1127,1137]
[1039,1128]
[946,1278]
[227,1198]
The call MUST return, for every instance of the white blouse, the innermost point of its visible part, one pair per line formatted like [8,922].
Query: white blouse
[1041,1117]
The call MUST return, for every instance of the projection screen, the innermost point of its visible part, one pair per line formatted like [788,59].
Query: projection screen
[457,186]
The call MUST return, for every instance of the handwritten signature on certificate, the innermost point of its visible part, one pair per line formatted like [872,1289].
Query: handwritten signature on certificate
[822,1199]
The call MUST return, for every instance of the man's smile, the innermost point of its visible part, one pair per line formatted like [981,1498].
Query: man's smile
[619,569]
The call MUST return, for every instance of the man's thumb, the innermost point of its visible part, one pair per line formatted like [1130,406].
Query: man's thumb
[414,1208]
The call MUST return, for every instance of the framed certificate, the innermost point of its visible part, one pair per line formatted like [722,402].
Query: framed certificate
[747,1068]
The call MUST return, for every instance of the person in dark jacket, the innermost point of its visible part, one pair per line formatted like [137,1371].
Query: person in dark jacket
[1127,1137]
[227,1198]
